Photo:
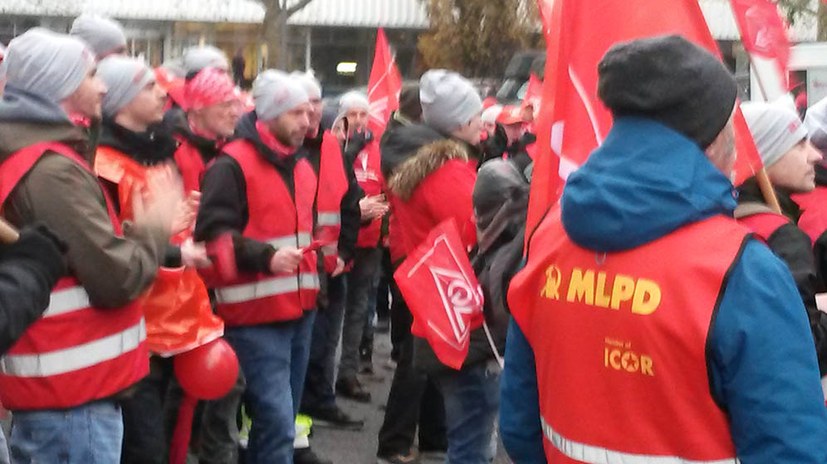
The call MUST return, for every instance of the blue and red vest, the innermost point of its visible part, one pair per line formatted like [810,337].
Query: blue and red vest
[620,344]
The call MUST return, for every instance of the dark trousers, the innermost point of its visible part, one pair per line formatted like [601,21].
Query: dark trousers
[218,437]
[414,398]
[327,330]
[147,425]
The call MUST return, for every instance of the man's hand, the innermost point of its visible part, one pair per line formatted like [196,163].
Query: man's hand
[188,210]
[286,259]
[373,207]
[340,267]
[194,254]
[160,203]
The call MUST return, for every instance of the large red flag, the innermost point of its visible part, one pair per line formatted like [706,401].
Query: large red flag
[764,35]
[384,86]
[442,292]
[572,120]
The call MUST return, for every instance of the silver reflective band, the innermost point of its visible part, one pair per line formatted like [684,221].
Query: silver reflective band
[329,219]
[291,241]
[309,281]
[74,358]
[67,300]
[265,288]
[596,455]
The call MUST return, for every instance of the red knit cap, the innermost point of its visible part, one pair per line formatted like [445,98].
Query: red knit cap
[209,87]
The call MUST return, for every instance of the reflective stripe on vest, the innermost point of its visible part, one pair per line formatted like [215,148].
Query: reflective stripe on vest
[596,455]
[264,288]
[74,358]
[304,239]
[329,219]
[67,300]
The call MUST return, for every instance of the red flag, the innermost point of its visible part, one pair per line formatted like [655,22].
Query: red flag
[573,121]
[443,294]
[764,35]
[384,86]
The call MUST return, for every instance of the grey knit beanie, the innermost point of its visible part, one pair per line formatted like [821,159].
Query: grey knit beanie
[275,93]
[774,128]
[47,64]
[309,82]
[103,35]
[198,58]
[448,100]
[124,78]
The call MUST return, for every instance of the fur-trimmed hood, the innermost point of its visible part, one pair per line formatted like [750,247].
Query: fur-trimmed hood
[427,159]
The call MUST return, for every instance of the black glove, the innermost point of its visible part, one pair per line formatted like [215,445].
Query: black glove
[38,247]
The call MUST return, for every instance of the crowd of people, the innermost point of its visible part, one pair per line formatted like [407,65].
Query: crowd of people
[657,314]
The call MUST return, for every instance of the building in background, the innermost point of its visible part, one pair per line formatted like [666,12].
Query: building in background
[335,38]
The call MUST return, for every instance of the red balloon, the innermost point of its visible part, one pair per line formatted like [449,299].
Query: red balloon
[207,372]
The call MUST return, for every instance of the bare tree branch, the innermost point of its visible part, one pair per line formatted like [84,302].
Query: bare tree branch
[297,7]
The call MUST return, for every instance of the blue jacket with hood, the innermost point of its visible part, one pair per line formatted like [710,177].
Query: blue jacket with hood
[644,182]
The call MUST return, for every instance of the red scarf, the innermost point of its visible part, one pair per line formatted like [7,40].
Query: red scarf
[271,142]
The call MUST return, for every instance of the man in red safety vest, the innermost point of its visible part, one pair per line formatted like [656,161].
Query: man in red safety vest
[64,377]
[649,325]
[261,191]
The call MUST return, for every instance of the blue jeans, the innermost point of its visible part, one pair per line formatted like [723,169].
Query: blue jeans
[88,434]
[327,330]
[471,405]
[361,283]
[273,358]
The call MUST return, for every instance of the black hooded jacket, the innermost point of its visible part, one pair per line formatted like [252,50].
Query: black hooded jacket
[224,199]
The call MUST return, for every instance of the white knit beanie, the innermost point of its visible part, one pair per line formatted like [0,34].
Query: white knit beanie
[275,93]
[775,129]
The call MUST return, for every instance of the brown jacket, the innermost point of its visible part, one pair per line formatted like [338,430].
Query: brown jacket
[68,199]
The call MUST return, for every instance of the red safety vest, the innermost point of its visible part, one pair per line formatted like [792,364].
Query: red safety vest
[619,341]
[368,169]
[813,219]
[763,225]
[177,307]
[333,185]
[280,219]
[75,353]
[191,164]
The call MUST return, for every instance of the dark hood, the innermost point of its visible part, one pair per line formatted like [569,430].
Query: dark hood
[402,142]
[644,182]
[750,192]
[821,175]
[148,148]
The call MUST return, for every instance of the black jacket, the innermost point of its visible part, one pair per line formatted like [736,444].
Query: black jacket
[820,245]
[793,246]
[497,145]
[224,199]
[29,268]
[349,207]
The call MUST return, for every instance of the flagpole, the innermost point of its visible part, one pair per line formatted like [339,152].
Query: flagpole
[767,190]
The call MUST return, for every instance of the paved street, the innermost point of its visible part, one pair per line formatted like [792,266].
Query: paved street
[348,447]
